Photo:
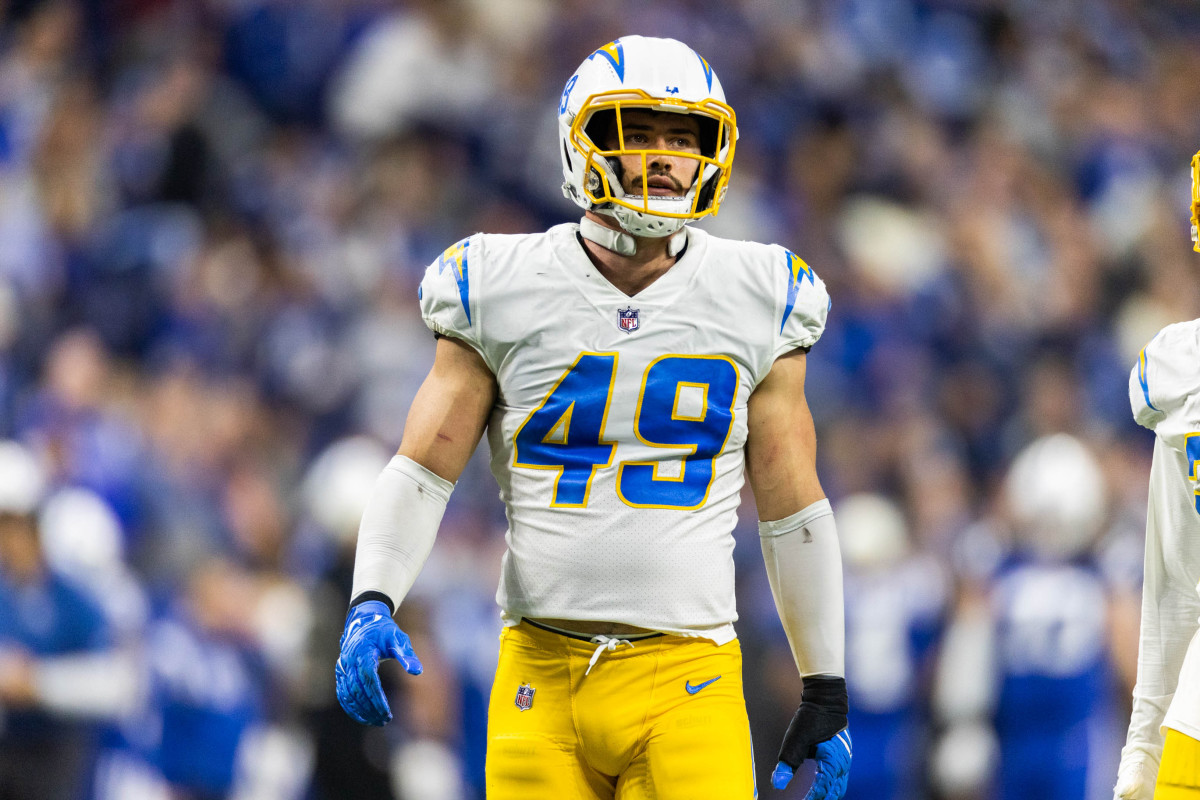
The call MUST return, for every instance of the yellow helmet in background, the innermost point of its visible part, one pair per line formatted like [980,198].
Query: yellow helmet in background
[1196,202]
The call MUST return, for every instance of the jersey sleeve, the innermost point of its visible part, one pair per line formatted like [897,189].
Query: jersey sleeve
[449,292]
[805,308]
[1164,386]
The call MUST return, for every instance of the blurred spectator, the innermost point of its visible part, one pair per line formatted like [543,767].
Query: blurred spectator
[896,603]
[1037,666]
[59,672]
[208,684]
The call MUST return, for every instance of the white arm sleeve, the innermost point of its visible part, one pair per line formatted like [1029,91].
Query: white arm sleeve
[398,527]
[1168,624]
[804,566]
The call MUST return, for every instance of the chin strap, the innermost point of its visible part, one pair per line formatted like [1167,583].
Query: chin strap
[623,243]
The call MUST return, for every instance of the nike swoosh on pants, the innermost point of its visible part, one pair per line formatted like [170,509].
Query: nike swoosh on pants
[693,689]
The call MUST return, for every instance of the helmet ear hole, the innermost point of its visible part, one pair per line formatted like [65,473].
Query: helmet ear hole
[707,192]
[709,146]
[601,127]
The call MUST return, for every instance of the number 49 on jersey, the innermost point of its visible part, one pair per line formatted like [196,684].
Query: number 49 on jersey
[685,403]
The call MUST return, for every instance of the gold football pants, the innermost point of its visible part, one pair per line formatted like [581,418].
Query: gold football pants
[1179,771]
[661,718]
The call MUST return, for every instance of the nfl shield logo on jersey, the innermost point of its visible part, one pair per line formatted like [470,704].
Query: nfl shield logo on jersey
[628,319]
[524,699]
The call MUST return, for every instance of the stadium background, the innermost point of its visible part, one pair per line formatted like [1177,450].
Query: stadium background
[213,218]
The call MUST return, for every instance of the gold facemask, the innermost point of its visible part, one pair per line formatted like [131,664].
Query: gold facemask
[598,187]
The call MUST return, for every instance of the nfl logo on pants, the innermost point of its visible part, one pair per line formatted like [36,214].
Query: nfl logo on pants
[524,699]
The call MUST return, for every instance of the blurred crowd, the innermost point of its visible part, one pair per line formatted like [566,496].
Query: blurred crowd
[214,215]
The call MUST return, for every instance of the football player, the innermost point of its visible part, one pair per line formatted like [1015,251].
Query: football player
[1161,757]
[628,370]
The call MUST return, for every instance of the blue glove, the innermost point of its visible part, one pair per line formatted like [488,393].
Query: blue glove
[370,635]
[818,731]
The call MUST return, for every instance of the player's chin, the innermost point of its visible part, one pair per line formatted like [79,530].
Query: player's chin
[655,194]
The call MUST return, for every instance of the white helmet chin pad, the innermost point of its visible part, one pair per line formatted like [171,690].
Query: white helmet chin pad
[650,225]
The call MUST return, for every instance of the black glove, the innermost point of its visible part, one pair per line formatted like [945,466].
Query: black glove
[818,731]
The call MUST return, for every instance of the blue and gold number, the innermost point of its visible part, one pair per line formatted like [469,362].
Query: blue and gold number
[686,403]
[1192,450]
[566,432]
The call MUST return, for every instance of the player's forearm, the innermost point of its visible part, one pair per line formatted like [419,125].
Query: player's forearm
[804,566]
[398,528]
[1167,627]
[1168,624]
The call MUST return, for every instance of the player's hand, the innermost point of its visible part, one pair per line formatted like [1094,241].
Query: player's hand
[371,635]
[818,731]
[1135,777]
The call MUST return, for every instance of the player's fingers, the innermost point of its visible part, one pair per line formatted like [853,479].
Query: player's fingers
[370,690]
[356,698]
[344,683]
[1132,784]
[839,786]
[401,649]
[822,785]
[368,709]
[352,707]
[782,775]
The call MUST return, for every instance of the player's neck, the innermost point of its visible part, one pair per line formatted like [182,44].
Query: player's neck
[630,273]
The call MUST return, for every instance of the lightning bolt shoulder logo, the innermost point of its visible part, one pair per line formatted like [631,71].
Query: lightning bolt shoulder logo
[455,259]
[798,270]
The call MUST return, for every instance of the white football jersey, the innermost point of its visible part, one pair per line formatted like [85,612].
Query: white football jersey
[1164,391]
[617,437]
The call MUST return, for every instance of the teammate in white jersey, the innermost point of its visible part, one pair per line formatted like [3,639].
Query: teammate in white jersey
[1164,389]
[628,371]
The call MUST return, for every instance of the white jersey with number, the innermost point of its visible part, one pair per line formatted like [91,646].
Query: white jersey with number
[1164,390]
[617,437]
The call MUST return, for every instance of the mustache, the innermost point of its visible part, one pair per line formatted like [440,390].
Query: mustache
[675,184]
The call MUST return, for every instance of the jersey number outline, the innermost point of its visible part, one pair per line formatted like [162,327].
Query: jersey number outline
[684,403]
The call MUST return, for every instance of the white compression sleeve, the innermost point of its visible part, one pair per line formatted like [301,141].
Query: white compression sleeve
[1169,612]
[398,527]
[804,565]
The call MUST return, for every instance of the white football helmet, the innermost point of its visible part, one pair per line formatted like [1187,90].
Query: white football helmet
[1057,496]
[872,531]
[636,72]
[80,533]
[24,482]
